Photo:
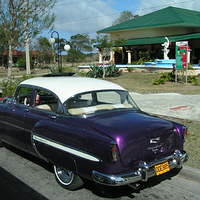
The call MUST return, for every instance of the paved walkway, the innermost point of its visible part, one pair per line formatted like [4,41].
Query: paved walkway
[170,104]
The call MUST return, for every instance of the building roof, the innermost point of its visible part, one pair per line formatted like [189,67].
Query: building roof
[66,87]
[159,40]
[20,53]
[167,17]
[14,52]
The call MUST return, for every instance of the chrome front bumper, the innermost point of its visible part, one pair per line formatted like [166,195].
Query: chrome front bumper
[144,172]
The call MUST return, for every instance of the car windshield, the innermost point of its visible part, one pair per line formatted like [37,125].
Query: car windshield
[99,101]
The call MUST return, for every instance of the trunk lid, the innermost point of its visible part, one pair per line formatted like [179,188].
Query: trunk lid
[140,137]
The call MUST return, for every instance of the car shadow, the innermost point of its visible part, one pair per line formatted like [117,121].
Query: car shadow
[30,157]
[97,189]
[128,191]
[13,188]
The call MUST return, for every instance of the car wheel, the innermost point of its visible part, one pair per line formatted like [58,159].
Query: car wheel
[67,178]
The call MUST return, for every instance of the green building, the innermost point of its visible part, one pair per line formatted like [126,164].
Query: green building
[144,35]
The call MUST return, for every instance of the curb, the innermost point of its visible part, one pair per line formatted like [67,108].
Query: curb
[190,173]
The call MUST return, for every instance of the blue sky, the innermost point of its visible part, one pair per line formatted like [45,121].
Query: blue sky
[121,5]
[89,16]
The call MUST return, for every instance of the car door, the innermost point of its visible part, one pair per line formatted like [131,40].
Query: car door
[52,130]
[16,134]
[45,107]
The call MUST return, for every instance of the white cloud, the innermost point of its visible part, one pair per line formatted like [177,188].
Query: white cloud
[83,16]
[152,5]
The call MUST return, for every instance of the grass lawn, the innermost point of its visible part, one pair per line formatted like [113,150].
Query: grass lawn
[143,83]
[192,141]
[16,72]
[192,144]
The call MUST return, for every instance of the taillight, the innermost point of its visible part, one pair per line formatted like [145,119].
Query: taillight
[114,151]
[185,131]
[182,131]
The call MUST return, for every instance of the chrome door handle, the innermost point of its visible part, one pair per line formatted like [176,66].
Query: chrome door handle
[53,117]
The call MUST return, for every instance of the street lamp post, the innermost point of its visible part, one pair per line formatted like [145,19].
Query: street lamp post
[52,41]
[66,48]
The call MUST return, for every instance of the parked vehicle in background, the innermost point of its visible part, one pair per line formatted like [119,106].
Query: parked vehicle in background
[90,129]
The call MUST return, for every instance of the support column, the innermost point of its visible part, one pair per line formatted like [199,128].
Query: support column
[188,56]
[129,57]
[100,57]
[112,56]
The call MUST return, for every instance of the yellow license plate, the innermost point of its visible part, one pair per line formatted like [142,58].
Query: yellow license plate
[161,168]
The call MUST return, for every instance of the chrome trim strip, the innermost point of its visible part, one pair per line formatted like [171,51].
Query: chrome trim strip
[144,172]
[64,148]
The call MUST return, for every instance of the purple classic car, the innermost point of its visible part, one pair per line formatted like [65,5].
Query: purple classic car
[90,129]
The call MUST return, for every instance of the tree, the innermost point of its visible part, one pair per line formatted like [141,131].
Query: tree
[11,23]
[106,46]
[75,55]
[102,41]
[23,19]
[45,49]
[38,16]
[81,42]
[3,43]
[124,16]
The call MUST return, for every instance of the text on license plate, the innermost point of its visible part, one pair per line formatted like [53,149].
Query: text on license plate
[161,168]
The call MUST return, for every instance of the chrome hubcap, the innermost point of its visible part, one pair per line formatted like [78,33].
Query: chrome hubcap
[63,175]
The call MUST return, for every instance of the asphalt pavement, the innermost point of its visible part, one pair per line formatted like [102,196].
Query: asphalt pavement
[25,177]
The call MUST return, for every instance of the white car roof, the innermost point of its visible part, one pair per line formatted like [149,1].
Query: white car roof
[66,87]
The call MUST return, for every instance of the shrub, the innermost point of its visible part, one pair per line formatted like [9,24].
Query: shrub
[171,78]
[54,69]
[21,63]
[193,80]
[97,71]
[164,78]
[129,69]
[9,85]
[159,81]
[141,61]
[112,71]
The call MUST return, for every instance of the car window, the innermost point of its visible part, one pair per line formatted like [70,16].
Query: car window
[98,101]
[87,96]
[24,96]
[109,97]
[46,100]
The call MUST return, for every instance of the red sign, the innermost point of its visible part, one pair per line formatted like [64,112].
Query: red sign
[182,50]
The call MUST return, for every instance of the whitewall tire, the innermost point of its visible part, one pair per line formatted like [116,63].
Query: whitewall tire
[67,178]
